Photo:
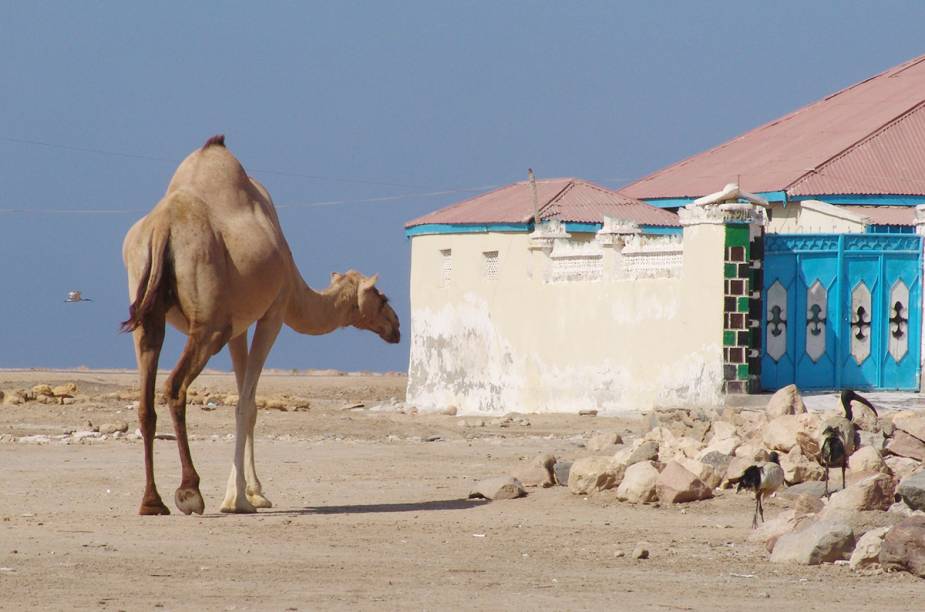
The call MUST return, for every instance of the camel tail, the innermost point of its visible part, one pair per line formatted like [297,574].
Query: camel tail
[151,284]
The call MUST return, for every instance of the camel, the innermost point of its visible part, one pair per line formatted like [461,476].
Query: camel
[211,259]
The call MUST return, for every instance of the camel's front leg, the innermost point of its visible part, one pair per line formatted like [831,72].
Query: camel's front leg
[238,349]
[236,495]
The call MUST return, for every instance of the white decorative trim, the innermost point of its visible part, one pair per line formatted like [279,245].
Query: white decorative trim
[652,256]
[545,233]
[614,230]
[731,193]
[575,261]
[719,214]
[701,215]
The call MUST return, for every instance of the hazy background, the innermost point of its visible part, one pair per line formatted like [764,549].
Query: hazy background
[335,104]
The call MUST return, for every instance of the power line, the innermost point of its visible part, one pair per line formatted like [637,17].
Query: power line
[124,155]
[317,204]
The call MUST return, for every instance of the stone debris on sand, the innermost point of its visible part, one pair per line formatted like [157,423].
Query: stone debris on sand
[500,487]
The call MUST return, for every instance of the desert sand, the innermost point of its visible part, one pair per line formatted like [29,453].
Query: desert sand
[370,512]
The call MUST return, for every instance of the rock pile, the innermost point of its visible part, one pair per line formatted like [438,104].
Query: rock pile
[686,457]
[43,394]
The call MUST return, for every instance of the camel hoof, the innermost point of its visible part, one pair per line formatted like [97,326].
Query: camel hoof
[189,501]
[238,507]
[153,508]
[259,501]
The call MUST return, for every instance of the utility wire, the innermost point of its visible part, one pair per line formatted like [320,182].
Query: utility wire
[316,177]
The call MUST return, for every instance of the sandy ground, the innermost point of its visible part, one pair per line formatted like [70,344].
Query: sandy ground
[368,515]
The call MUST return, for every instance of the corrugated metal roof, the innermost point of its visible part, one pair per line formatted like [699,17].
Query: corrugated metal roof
[865,139]
[885,215]
[565,199]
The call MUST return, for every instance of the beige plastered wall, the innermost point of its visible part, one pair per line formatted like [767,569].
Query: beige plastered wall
[814,217]
[522,343]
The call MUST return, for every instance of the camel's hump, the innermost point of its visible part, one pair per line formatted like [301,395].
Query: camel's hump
[218,140]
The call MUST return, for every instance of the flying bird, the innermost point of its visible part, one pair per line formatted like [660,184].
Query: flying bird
[764,479]
[74,296]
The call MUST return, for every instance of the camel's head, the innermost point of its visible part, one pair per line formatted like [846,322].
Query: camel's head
[373,310]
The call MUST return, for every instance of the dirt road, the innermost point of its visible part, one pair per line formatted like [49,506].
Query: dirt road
[367,515]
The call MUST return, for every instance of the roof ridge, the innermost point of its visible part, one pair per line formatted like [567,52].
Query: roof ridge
[891,71]
[598,187]
[541,209]
[855,145]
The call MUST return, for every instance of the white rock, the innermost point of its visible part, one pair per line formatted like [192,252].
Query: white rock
[866,459]
[722,430]
[785,401]
[867,551]
[638,484]
[819,542]
[590,474]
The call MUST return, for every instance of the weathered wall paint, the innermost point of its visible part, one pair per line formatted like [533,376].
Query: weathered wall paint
[522,343]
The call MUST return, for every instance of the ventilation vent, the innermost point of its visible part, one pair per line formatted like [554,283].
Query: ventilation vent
[490,265]
[446,267]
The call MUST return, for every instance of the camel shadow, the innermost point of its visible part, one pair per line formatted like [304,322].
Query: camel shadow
[425,506]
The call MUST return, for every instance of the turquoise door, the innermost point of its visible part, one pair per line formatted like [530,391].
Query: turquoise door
[841,311]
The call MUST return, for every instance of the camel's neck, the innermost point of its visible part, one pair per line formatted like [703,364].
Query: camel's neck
[317,313]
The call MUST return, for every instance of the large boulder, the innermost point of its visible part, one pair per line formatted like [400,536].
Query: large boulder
[903,547]
[43,389]
[785,401]
[906,445]
[726,446]
[676,485]
[66,390]
[603,441]
[866,459]
[867,551]
[912,425]
[638,484]
[718,461]
[902,466]
[780,434]
[912,490]
[681,446]
[752,452]
[590,474]
[799,469]
[722,430]
[645,450]
[812,488]
[872,493]
[875,439]
[704,471]
[539,473]
[818,542]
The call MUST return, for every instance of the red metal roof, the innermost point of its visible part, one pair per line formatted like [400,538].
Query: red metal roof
[885,215]
[866,139]
[565,199]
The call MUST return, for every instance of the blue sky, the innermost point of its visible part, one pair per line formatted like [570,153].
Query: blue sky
[355,101]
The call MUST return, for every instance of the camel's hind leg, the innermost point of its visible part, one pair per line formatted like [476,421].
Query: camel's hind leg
[149,338]
[199,348]
[265,332]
